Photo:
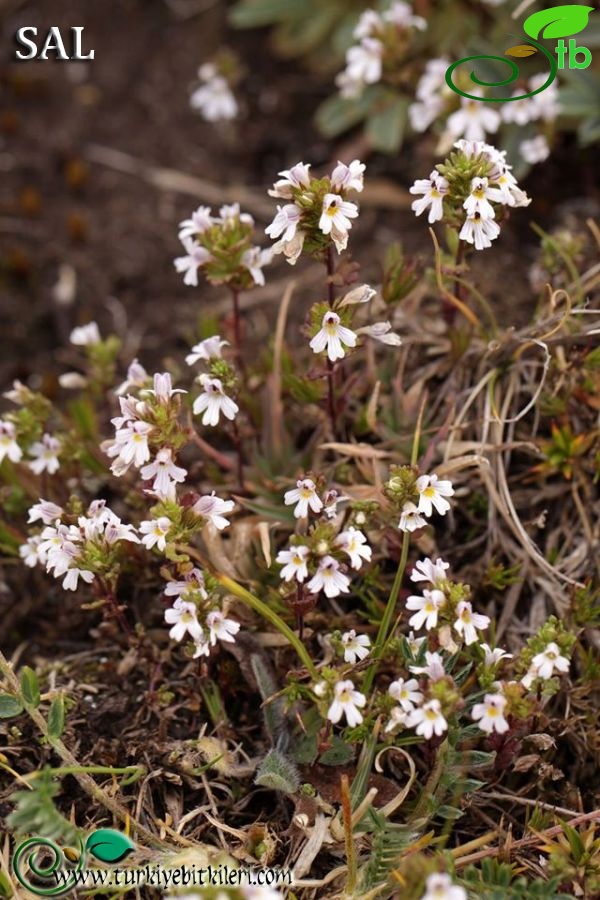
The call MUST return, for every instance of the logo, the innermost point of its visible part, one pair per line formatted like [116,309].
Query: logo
[557,22]
[53,44]
[105,845]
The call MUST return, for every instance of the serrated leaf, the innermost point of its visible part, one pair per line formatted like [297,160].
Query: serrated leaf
[9,706]
[278,773]
[557,22]
[56,718]
[109,845]
[30,687]
[520,50]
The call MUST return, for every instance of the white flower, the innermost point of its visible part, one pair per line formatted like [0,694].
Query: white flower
[115,531]
[136,378]
[548,660]
[423,112]
[434,667]
[478,231]
[354,543]
[473,120]
[130,446]
[45,453]
[356,646]
[427,608]
[192,581]
[254,260]
[214,99]
[478,202]
[165,474]
[415,643]
[363,61]
[346,702]
[155,532]
[230,214]
[183,616]
[285,222]
[163,388]
[221,628]
[45,510]
[8,442]
[428,570]
[293,562]
[303,495]
[433,78]
[73,575]
[214,401]
[381,331]
[30,552]
[196,256]
[361,294]
[410,518]
[19,393]
[439,886]
[331,336]
[489,715]
[329,579]
[512,194]
[406,693]
[432,493]
[291,179]
[291,249]
[519,111]
[86,335]
[201,647]
[468,623]
[348,178]
[212,508]
[401,15]
[546,105]
[428,719]
[335,219]
[535,150]
[398,718]
[209,348]
[370,22]
[434,190]
[199,222]
[491,657]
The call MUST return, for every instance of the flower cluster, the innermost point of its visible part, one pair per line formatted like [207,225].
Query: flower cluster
[467,190]
[220,378]
[316,211]
[320,556]
[382,40]
[474,119]
[213,98]
[76,547]
[416,496]
[196,612]
[146,426]
[222,247]
[330,325]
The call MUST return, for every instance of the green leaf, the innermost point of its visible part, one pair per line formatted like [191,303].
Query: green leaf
[557,22]
[9,706]
[520,50]
[385,127]
[255,13]
[30,687]
[338,114]
[56,717]
[278,773]
[109,845]
[338,754]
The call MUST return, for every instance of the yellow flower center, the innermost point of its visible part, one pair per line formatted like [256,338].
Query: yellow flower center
[431,714]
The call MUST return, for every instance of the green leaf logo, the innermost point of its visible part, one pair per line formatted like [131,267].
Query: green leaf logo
[558,22]
[108,845]
[520,50]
